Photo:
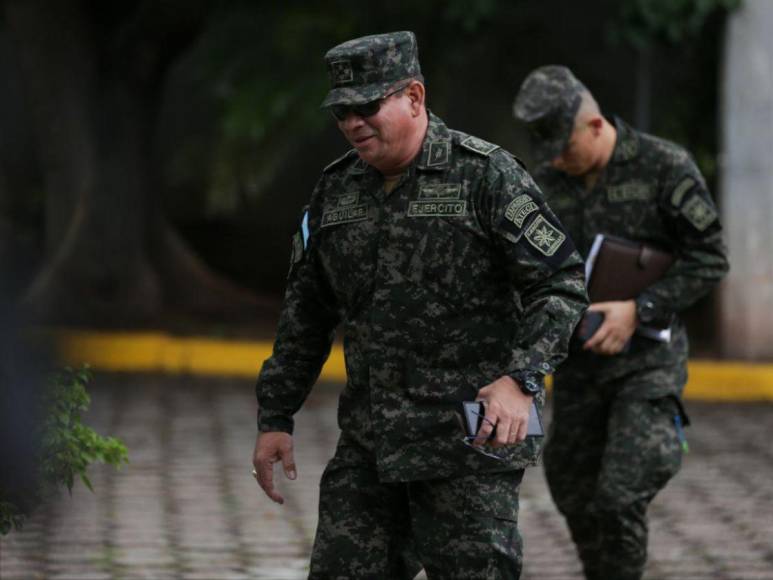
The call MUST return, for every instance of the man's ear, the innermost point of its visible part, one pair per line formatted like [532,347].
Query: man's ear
[596,124]
[415,92]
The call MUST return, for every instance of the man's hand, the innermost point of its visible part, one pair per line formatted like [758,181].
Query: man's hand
[618,326]
[507,408]
[271,448]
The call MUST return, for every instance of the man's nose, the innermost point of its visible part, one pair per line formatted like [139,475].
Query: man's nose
[351,121]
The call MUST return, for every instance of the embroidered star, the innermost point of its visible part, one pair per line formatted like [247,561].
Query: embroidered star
[700,212]
[544,237]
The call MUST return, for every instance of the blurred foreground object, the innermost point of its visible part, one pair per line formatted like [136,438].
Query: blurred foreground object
[57,450]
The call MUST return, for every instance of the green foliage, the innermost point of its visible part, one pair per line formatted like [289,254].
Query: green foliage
[265,64]
[11,517]
[67,446]
[641,23]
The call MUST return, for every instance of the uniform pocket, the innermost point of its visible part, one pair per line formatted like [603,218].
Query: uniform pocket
[665,456]
[441,386]
[491,525]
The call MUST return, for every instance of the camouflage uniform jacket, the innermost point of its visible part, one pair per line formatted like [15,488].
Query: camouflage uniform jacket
[458,276]
[651,191]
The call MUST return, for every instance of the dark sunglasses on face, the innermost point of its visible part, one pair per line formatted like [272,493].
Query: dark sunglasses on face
[340,112]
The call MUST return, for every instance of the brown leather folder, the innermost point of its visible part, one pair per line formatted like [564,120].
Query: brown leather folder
[622,269]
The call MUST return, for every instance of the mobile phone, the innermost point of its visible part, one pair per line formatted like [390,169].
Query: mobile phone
[474,411]
[589,324]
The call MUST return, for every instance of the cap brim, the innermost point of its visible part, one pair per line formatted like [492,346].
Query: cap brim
[357,95]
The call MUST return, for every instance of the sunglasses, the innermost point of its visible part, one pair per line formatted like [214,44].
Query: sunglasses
[340,112]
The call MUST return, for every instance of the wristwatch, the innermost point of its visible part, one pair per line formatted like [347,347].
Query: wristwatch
[645,310]
[530,383]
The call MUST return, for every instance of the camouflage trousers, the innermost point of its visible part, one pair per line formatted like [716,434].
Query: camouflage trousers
[462,528]
[608,455]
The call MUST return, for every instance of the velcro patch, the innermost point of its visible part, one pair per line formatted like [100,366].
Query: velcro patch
[438,208]
[544,236]
[341,72]
[699,213]
[680,190]
[438,153]
[348,199]
[631,191]
[440,191]
[479,146]
[520,208]
[344,215]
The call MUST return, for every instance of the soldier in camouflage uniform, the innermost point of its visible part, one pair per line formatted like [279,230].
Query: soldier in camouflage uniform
[615,440]
[452,280]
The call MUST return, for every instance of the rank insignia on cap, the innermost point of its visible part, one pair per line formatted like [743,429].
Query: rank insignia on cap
[479,145]
[341,71]
[699,213]
[544,236]
[438,153]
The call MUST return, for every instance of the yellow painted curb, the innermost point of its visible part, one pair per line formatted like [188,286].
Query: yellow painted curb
[160,352]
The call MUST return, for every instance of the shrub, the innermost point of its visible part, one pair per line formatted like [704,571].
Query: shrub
[66,446]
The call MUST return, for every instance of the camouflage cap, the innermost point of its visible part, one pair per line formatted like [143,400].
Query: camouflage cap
[547,103]
[364,69]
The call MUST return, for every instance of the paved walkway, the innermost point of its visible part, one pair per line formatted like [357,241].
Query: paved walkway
[188,508]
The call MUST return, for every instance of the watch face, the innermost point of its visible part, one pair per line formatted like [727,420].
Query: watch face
[529,385]
[647,312]
[532,386]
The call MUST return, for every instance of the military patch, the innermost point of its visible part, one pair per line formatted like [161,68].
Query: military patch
[680,190]
[438,153]
[344,215]
[631,191]
[544,236]
[520,208]
[699,213]
[341,72]
[479,146]
[437,208]
[348,199]
[628,147]
[440,191]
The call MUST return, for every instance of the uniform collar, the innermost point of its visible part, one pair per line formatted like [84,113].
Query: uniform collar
[627,145]
[436,148]
[435,151]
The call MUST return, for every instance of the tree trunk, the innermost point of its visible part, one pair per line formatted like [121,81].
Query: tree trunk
[112,257]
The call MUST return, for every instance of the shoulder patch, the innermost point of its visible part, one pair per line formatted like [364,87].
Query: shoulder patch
[680,190]
[519,209]
[479,146]
[544,236]
[335,163]
[699,212]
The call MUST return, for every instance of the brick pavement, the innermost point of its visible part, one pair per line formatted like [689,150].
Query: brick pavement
[186,507]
